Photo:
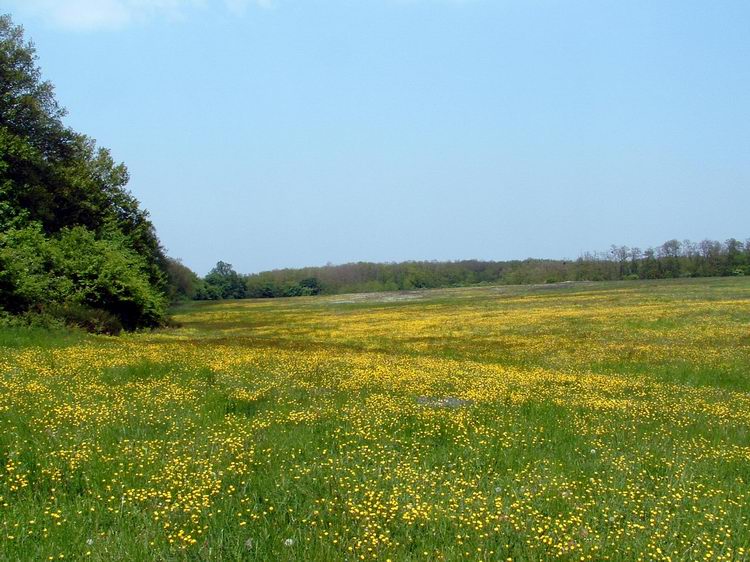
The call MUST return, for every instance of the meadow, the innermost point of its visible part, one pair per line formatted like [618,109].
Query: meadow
[590,421]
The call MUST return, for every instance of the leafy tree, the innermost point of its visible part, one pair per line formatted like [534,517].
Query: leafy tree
[27,275]
[183,282]
[226,282]
[77,268]
[71,232]
[310,286]
[206,292]
[109,275]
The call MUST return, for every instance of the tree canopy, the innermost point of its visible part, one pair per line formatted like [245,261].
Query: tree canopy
[71,234]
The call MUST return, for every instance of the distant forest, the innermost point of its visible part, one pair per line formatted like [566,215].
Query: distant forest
[670,260]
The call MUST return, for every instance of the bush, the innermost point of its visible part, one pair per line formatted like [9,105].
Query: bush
[310,286]
[93,320]
[110,276]
[206,292]
[78,269]
[32,319]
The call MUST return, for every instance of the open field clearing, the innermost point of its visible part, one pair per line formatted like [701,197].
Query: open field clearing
[592,421]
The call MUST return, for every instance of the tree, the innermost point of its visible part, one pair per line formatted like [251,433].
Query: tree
[735,259]
[58,191]
[183,282]
[650,265]
[669,253]
[226,281]
[620,254]
[75,268]
[311,285]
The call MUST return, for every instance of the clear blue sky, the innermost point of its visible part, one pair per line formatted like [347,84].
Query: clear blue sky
[298,132]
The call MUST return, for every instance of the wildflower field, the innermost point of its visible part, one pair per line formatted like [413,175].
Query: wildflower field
[574,422]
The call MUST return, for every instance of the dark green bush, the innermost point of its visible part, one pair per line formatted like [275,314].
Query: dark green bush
[93,320]
[77,268]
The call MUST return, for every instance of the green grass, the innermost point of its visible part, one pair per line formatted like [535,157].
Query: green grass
[595,421]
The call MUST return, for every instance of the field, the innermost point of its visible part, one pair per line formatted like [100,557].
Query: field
[574,422]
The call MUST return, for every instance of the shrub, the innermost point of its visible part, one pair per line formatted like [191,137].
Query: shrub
[77,268]
[93,320]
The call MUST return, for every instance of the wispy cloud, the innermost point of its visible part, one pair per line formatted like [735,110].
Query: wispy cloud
[114,14]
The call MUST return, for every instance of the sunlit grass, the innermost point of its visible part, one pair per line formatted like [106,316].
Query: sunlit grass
[603,421]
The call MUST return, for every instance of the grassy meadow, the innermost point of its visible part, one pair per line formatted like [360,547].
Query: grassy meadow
[585,421]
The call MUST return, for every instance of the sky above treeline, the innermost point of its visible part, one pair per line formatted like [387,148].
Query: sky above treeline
[284,133]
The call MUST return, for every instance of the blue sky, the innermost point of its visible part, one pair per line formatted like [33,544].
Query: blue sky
[282,133]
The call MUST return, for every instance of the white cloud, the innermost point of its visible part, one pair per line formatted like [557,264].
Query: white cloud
[113,14]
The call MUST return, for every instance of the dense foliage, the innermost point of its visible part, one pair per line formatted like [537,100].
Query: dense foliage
[672,259]
[222,282]
[74,243]
[184,284]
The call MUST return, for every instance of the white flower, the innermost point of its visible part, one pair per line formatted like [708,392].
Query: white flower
[288,542]
[89,541]
[249,544]
[593,451]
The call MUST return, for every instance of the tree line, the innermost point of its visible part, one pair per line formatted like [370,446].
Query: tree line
[672,259]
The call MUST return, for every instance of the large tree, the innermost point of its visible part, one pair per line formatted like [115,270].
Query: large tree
[54,181]
[224,282]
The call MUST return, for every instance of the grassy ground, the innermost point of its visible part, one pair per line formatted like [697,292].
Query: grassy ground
[579,422]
